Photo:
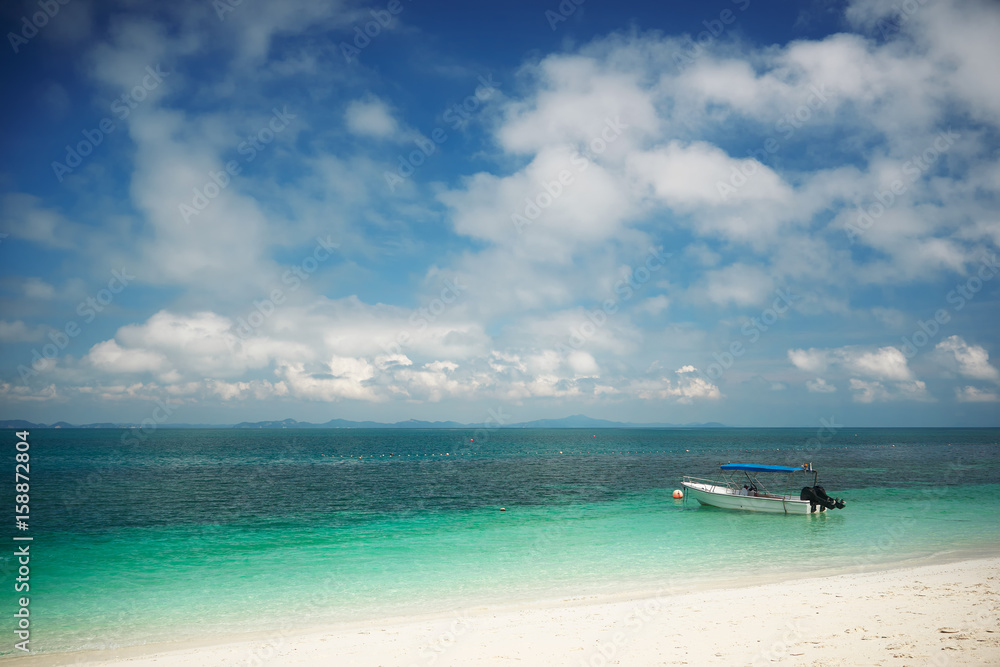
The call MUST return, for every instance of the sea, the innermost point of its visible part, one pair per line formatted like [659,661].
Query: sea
[189,535]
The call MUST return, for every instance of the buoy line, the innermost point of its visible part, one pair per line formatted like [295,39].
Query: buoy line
[617,452]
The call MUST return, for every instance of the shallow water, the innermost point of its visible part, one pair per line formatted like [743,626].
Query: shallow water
[191,533]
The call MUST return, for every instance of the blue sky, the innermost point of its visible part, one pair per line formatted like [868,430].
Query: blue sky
[759,214]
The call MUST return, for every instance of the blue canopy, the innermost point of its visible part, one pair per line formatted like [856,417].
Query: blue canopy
[754,467]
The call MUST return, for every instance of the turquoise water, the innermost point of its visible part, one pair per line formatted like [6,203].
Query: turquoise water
[195,533]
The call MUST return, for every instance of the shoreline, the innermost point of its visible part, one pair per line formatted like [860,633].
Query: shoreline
[947,610]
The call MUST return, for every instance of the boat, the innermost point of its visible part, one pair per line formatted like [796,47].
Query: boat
[741,488]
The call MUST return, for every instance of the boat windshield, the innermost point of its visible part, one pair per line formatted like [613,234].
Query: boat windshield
[744,483]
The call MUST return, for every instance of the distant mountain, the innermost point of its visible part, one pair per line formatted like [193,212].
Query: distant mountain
[573,421]
[284,423]
[22,424]
[344,423]
[19,423]
[583,421]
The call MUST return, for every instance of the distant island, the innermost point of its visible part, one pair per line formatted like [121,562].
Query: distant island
[573,421]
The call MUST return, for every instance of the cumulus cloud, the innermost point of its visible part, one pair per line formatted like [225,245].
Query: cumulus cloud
[112,358]
[229,391]
[701,174]
[341,377]
[885,363]
[337,354]
[971,361]
[576,98]
[684,390]
[600,152]
[561,201]
[881,374]
[811,360]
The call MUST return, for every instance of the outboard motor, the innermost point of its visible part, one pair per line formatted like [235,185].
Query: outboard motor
[821,492]
[816,495]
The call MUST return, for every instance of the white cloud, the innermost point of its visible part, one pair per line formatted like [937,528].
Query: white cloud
[342,377]
[385,361]
[890,317]
[971,394]
[559,202]
[738,284]
[820,386]
[371,118]
[654,305]
[23,216]
[132,43]
[21,393]
[874,391]
[434,381]
[583,364]
[701,174]
[228,391]
[576,97]
[201,345]
[654,156]
[885,363]
[811,360]
[206,354]
[112,358]
[935,27]
[255,30]
[36,288]
[685,390]
[18,332]
[971,361]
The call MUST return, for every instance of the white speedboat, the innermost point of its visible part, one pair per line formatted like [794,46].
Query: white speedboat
[741,488]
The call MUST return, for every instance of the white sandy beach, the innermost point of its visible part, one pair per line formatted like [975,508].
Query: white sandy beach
[942,614]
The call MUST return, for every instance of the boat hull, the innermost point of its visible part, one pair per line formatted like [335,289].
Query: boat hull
[723,497]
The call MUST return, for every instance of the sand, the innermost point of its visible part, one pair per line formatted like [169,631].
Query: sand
[942,614]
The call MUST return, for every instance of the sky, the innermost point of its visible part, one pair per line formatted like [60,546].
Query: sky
[761,214]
